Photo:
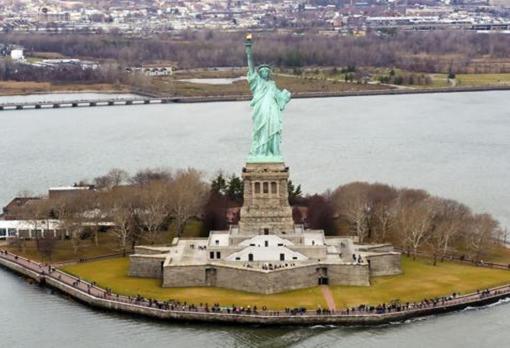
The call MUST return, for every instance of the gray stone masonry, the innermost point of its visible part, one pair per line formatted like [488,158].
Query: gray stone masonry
[256,281]
[146,266]
[266,206]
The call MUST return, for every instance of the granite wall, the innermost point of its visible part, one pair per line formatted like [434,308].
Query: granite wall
[250,280]
[145,266]
[357,275]
[385,264]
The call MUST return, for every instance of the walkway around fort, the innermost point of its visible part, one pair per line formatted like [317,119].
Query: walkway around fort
[96,296]
[328,296]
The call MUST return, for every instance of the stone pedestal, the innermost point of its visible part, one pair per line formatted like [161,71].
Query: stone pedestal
[266,208]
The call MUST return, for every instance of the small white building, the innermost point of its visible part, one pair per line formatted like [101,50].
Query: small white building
[17,54]
[28,229]
[152,70]
[33,229]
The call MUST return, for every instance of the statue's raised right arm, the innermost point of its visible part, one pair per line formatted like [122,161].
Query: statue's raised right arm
[249,53]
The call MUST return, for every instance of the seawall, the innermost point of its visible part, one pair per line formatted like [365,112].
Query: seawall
[361,93]
[148,98]
[94,296]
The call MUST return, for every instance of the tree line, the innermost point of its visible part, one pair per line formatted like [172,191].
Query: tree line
[69,73]
[142,207]
[413,220]
[436,51]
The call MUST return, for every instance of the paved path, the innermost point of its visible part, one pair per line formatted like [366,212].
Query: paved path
[328,296]
[358,314]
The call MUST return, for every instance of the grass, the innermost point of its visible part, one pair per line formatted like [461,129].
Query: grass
[311,81]
[28,87]
[419,280]
[63,250]
[500,255]
[171,85]
[483,79]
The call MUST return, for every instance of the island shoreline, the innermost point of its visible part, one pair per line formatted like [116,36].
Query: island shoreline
[146,98]
[19,265]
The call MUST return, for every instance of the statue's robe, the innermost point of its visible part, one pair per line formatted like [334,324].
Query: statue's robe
[268,103]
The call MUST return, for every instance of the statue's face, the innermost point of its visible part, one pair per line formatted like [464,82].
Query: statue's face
[265,73]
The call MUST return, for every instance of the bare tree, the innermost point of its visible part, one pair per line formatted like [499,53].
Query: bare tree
[36,213]
[481,236]
[414,219]
[153,210]
[146,176]
[71,213]
[382,199]
[449,219]
[351,202]
[188,194]
[120,205]
[115,177]
[46,246]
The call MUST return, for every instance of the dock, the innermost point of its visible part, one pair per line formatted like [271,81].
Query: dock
[81,103]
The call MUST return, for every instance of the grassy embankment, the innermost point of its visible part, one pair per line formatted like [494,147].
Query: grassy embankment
[468,80]
[437,80]
[29,87]
[315,81]
[174,86]
[419,280]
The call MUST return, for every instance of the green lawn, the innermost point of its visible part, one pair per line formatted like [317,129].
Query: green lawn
[63,250]
[483,79]
[419,280]
[500,255]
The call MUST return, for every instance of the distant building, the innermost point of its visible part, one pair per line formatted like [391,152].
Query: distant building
[13,51]
[67,191]
[152,70]
[11,210]
[29,229]
[34,229]
[57,63]
[17,54]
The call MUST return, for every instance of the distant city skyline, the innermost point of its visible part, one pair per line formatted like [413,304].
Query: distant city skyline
[346,16]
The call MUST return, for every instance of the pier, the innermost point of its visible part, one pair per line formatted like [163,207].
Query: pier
[82,103]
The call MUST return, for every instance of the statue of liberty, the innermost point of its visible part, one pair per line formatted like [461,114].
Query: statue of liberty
[268,102]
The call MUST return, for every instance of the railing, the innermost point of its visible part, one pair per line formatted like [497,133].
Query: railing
[363,311]
[81,103]
[462,259]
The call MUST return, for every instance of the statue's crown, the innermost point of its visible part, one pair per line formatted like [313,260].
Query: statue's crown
[263,66]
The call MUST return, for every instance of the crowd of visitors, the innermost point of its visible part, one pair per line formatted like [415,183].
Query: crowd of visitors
[175,305]
[270,266]
[357,259]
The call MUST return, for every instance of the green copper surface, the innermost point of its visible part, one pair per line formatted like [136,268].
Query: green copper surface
[267,103]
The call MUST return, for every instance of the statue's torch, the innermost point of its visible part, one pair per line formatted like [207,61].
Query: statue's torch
[248,39]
